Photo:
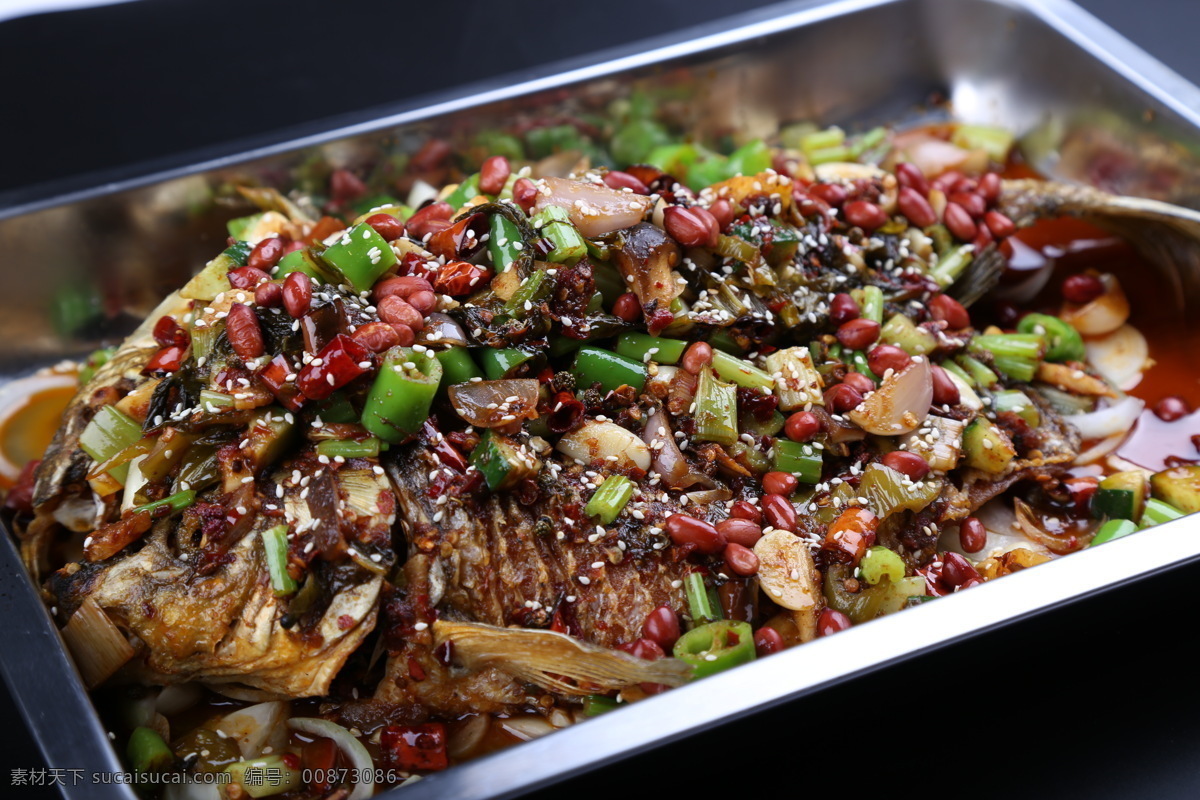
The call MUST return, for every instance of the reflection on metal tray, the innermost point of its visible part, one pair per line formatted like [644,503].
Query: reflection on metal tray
[1089,106]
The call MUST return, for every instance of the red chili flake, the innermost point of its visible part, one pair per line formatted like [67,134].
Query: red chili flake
[338,363]
[410,747]
[762,406]
[274,375]
[461,277]
[325,227]
[345,622]
[168,359]
[446,452]
[415,670]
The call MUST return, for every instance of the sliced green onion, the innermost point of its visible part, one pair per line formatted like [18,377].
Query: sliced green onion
[871,303]
[555,225]
[457,365]
[275,545]
[978,374]
[532,290]
[951,265]
[174,503]
[858,360]
[349,448]
[700,606]
[608,501]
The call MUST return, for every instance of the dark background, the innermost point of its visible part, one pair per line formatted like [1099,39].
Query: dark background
[1098,700]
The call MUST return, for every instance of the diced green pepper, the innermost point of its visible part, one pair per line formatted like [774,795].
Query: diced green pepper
[298,261]
[399,400]
[462,193]
[502,462]
[361,256]
[148,752]
[904,333]
[715,647]
[750,159]
[1120,496]
[275,545]
[505,244]
[499,362]
[798,459]
[94,362]
[1063,342]
[238,226]
[644,347]
[608,501]
[457,365]
[609,369]
[879,562]
[1113,529]
[266,776]
[337,409]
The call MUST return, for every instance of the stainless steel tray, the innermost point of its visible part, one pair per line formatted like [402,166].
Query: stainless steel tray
[1043,67]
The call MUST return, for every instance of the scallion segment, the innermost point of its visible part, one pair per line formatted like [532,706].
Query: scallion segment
[148,752]
[172,504]
[399,400]
[1017,402]
[530,293]
[555,225]
[700,605]
[871,303]
[349,448]
[110,432]
[275,546]
[610,499]
[952,264]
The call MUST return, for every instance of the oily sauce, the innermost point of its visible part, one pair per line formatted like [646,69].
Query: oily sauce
[30,412]
[1049,251]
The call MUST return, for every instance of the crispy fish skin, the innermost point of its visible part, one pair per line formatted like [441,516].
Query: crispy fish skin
[501,562]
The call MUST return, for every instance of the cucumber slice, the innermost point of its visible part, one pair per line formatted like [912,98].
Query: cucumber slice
[1179,486]
[1120,496]
[986,447]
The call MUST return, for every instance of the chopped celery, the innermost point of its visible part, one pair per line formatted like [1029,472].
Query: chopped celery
[797,382]
[555,224]
[110,432]
[870,300]
[977,372]
[608,501]
[743,373]
[904,333]
[349,448]
[996,142]
[1017,402]
[700,605]
[715,410]
[951,265]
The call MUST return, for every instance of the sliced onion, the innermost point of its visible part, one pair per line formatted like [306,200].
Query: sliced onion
[353,749]
[594,209]
[934,156]
[900,405]
[1103,315]
[966,394]
[133,484]
[607,442]
[676,471]
[254,727]
[441,329]
[495,404]
[527,727]
[1120,356]
[178,697]
[1100,449]
[1108,421]
[419,193]
[707,497]
[468,735]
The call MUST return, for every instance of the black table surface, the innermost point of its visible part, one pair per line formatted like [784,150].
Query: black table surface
[1095,700]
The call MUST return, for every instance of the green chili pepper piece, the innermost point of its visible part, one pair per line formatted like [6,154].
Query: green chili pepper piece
[633,143]
[799,459]
[750,159]
[713,169]
[505,244]
[465,191]
[361,256]
[399,400]
[298,261]
[1063,342]
[148,752]
[594,364]
[715,647]
[94,362]
[644,347]
[596,704]
[502,462]
[1113,529]
[531,291]
[265,776]
[608,501]
[337,409]
[457,365]
[858,360]
[499,363]
[879,562]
